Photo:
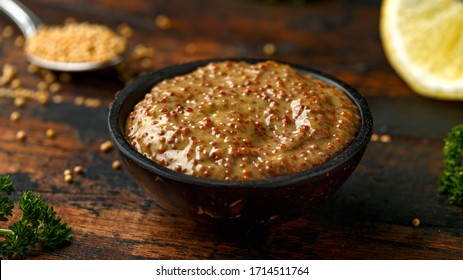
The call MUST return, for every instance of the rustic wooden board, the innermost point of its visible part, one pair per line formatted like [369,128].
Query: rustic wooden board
[368,218]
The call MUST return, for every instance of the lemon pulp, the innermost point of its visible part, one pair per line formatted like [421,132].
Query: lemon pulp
[423,40]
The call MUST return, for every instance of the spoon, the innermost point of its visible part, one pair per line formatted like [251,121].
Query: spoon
[29,23]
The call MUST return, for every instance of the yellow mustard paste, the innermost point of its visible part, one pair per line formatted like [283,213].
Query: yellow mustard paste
[239,121]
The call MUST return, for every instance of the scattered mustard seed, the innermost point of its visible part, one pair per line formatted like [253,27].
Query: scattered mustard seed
[92,102]
[8,74]
[44,72]
[49,78]
[79,100]
[385,138]
[68,178]
[416,222]
[32,68]
[8,31]
[15,116]
[141,51]
[55,87]
[125,30]
[79,169]
[374,137]
[116,165]
[67,172]
[15,83]
[57,99]
[65,77]
[19,101]
[16,91]
[21,135]
[269,49]
[190,48]
[50,133]
[106,146]
[42,85]
[19,41]
[42,97]
[146,62]
[70,20]
[163,22]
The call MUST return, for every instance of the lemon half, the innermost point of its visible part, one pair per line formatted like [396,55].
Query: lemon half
[423,41]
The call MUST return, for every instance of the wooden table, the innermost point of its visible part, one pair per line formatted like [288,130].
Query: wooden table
[368,218]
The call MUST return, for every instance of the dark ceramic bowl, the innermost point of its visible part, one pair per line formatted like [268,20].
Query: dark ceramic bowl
[234,202]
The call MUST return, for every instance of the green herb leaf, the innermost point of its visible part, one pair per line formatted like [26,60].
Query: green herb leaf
[6,205]
[19,242]
[49,229]
[39,224]
[451,180]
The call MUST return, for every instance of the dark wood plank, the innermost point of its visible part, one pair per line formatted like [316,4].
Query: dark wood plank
[368,218]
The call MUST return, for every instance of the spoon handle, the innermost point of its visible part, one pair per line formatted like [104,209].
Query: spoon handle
[26,20]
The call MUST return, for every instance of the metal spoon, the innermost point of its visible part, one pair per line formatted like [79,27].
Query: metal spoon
[28,22]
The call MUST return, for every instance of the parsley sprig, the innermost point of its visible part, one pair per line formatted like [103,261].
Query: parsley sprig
[38,225]
[451,180]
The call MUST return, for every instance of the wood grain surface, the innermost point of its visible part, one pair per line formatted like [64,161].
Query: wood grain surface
[370,217]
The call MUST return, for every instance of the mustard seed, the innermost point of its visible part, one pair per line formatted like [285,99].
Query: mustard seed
[15,116]
[55,87]
[374,137]
[416,222]
[8,74]
[21,135]
[15,83]
[8,31]
[19,102]
[116,165]
[42,97]
[42,85]
[190,48]
[106,146]
[125,30]
[32,68]
[57,99]
[269,49]
[79,169]
[50,133]
[79,100]
[65,77]
[385,138]
[146,62]
[141,51]
[163,22]
[70,20]
[49,78]
[19,41]
[68,178]
[67,172]
[76,42]
[92,102]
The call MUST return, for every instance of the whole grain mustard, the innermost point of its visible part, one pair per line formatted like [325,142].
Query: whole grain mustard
[239,121]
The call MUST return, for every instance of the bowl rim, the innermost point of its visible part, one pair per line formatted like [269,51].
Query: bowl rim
[114,123]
